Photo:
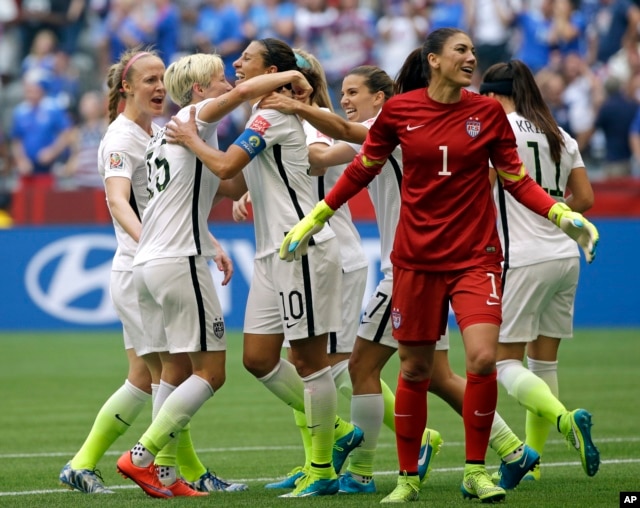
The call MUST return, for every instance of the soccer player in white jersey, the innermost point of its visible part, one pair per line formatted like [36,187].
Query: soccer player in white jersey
[178,303]
[296,300]
[541,265]
[364,91]
[136,82]
[354,280]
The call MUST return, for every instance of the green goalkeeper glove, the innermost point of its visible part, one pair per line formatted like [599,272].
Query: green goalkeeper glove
[296,242]
[577,227]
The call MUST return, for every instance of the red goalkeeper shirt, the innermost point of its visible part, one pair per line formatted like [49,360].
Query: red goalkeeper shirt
[447,217]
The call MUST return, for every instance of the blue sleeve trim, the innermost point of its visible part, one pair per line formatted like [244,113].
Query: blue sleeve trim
[251,142]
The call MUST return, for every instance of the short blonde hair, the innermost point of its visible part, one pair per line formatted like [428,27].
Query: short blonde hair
[182,74]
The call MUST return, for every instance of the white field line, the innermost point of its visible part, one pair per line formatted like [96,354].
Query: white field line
[273,448]
[5,456]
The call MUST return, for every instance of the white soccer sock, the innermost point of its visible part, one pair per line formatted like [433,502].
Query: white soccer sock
[285,383]
[164,390]
[321,405]
[547,371]
[367,412]
[342,379]
[176,412]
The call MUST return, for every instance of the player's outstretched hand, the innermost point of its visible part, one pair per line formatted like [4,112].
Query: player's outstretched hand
[577,227]
[296,242]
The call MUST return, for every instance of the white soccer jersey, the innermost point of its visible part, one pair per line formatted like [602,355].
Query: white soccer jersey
[281,190]
[351,251]
[528,238]
[384,191]
[121,153]
[182,189]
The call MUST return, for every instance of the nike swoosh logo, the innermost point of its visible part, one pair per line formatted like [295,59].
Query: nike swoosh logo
[350,442]
[489,302]
[576,441]
[172,435]
[291,325]
[478,413]
[165,492]
[422,460]
[119,418]
[524,460]
[414,127]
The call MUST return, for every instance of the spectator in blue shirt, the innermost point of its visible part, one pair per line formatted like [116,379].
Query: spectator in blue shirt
[40,133]
[219,30]
[167,30]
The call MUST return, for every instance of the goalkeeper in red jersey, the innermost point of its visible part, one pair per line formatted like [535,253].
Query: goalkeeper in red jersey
[446,249]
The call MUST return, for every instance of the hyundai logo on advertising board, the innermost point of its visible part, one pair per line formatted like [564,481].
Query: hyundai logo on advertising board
[69,279]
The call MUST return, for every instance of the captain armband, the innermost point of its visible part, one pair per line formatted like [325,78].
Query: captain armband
[251,142]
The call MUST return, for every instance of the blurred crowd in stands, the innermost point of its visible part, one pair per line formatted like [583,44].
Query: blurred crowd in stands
[54,55]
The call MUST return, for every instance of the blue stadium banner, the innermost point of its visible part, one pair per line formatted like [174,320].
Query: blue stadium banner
[57,278]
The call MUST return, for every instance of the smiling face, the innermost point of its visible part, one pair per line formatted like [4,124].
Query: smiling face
[358,103]
[144,86]
[251,63]
[457,61]
[218,86]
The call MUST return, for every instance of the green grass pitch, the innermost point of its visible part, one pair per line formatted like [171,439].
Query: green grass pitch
[52,385]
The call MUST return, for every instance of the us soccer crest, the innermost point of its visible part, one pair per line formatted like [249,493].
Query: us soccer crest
[473,127]
[218,327]
[396,318]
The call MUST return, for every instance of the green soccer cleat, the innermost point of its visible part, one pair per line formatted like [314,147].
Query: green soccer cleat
[311,486]
[477,484]
[407,490]
[575,426]
[431,444]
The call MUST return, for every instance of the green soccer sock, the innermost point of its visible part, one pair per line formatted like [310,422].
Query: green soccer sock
[113,420]
[301,422]
[389,399]
[320,402]
[502,439]
[538,428]
[529,390]
[191,468]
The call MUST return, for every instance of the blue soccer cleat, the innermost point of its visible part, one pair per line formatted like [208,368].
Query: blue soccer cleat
[511,473]
[576,428]
[344,446]
[290,481]
[349,485]
[310,486]
[431,444]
